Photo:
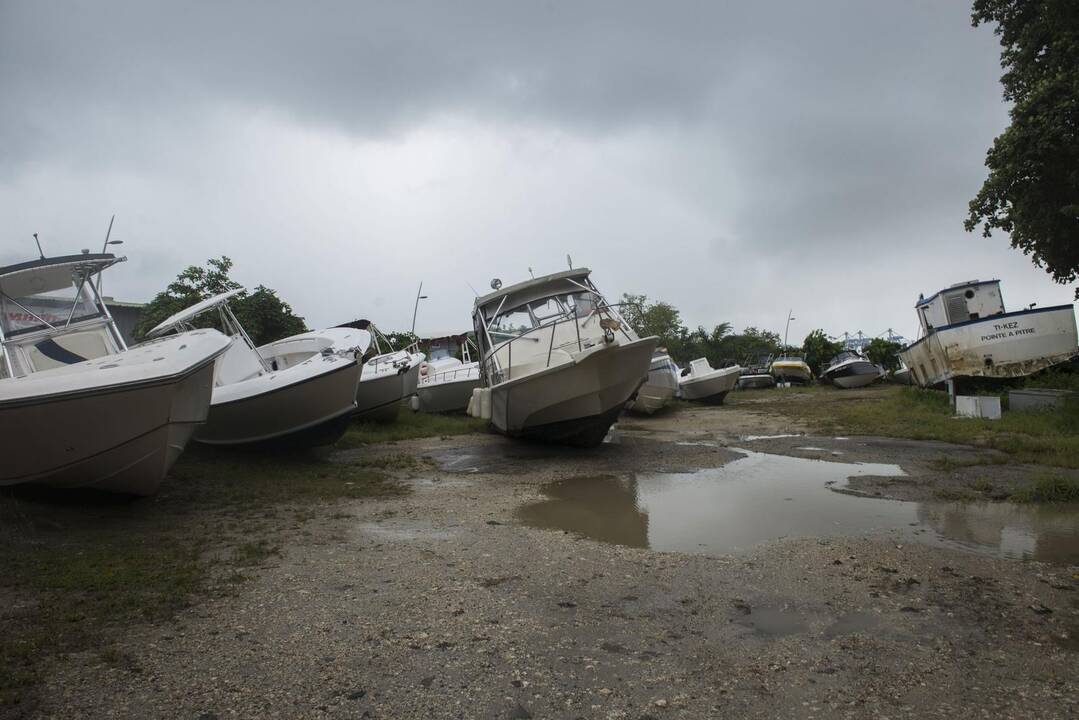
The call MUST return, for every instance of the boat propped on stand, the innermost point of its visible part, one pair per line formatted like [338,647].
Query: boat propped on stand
[285,396]
[77,407]
[967,333]
[558,361]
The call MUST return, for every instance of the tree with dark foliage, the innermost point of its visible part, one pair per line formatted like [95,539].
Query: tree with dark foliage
[1032,191]
[264,316]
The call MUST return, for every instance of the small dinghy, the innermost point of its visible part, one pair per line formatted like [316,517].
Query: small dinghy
[701,382]
[78,408]
[296,395]
[850,369]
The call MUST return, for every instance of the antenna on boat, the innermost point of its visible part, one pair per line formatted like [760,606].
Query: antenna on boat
[531,273]
[39,250]
[472,288]
[569,261]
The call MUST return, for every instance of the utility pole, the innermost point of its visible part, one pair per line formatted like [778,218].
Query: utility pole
[416,307]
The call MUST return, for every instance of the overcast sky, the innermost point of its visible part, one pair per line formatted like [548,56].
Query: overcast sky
[735,159]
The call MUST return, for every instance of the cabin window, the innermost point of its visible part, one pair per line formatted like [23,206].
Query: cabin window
[38,311]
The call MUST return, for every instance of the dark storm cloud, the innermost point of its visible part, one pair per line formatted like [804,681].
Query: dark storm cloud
[794,129]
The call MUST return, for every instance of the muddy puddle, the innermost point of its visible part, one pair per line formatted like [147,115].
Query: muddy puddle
[762,498]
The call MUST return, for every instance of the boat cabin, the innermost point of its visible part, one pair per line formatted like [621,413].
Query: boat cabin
[535,323]
[960,303]
[51,314]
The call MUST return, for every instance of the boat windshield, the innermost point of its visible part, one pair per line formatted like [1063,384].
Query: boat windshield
[845,356]
[51,308]
[515,321]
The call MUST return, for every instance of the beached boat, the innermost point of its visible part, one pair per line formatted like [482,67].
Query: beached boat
[446,381]
[703,383]
[78,408]
[850,369]
[558,361]
[755,381]
[388,376]
[659,388]
[279,395]
[791,369]
[967,333]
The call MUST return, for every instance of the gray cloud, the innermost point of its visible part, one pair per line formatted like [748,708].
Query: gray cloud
[734,158]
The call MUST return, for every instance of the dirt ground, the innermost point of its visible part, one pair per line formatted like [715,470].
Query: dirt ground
[442,604]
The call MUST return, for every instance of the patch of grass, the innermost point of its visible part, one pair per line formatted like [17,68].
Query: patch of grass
[254,553]
[981,484]
[396,461]
[1046,438]
[79,567]
[410,425]
[1049,488]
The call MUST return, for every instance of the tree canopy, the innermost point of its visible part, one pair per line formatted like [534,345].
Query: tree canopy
[819,349]
[1032,191]
[884,353]
[264,315]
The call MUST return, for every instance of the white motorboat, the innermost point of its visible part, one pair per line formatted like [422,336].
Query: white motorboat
[791,369]
[850,369]
[386,377]
[77,407]
[901,375]
[701,382]
[284,396]
[967,333]
[660,387]
[558,361]
[446,382]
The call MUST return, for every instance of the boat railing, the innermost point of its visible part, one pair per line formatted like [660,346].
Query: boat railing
[447,375]
[610,320]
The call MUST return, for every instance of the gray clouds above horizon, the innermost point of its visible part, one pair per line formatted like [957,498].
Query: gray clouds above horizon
[732,158]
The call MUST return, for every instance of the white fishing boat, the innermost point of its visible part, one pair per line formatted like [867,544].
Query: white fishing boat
[660,387]
[967,333]
[791,369]
[558,361]
[78,408]
[446,381]
[283,396]
[701,382]
[850,369]
[388,376]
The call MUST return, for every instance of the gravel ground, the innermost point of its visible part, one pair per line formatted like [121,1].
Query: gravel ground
[440,604]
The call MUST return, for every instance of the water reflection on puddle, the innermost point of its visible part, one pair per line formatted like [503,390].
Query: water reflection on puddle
[761,497]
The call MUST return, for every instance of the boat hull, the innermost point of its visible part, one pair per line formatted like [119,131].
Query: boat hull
[657,391]
[853,375]
[573,402]
[797,373]
[124,440]
[712,388]
[445,397]
[1002,346]
[753,382]
[306,412]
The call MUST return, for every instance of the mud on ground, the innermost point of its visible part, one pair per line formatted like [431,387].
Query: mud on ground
[440,604]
